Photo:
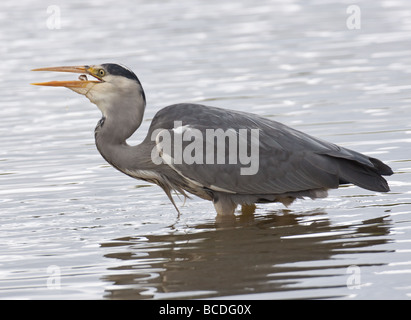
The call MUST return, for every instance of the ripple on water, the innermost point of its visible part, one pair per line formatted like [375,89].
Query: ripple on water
[66,213]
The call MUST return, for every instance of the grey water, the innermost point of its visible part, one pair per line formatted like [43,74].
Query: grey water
[72,227]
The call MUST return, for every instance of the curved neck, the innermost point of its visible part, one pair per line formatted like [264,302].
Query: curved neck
[122,106]
[110,135]
[120,122]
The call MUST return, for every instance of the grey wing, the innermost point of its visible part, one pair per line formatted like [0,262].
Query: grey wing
[281,160]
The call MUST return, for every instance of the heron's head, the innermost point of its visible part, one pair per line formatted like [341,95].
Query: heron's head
[113,85]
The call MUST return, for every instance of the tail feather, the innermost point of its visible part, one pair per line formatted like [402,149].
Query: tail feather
[365,176]
[381,167]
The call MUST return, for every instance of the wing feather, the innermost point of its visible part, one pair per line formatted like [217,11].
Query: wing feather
[288,160]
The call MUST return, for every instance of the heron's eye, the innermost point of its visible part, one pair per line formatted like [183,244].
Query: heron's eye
[101,73]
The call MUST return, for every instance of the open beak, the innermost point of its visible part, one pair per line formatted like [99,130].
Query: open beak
[83,82]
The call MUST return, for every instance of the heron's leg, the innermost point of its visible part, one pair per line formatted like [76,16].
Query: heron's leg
[248,209]
[224,206]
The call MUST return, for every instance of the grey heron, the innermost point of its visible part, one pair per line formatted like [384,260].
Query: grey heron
[291,164]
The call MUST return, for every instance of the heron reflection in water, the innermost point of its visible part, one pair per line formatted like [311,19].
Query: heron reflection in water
[291,164]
